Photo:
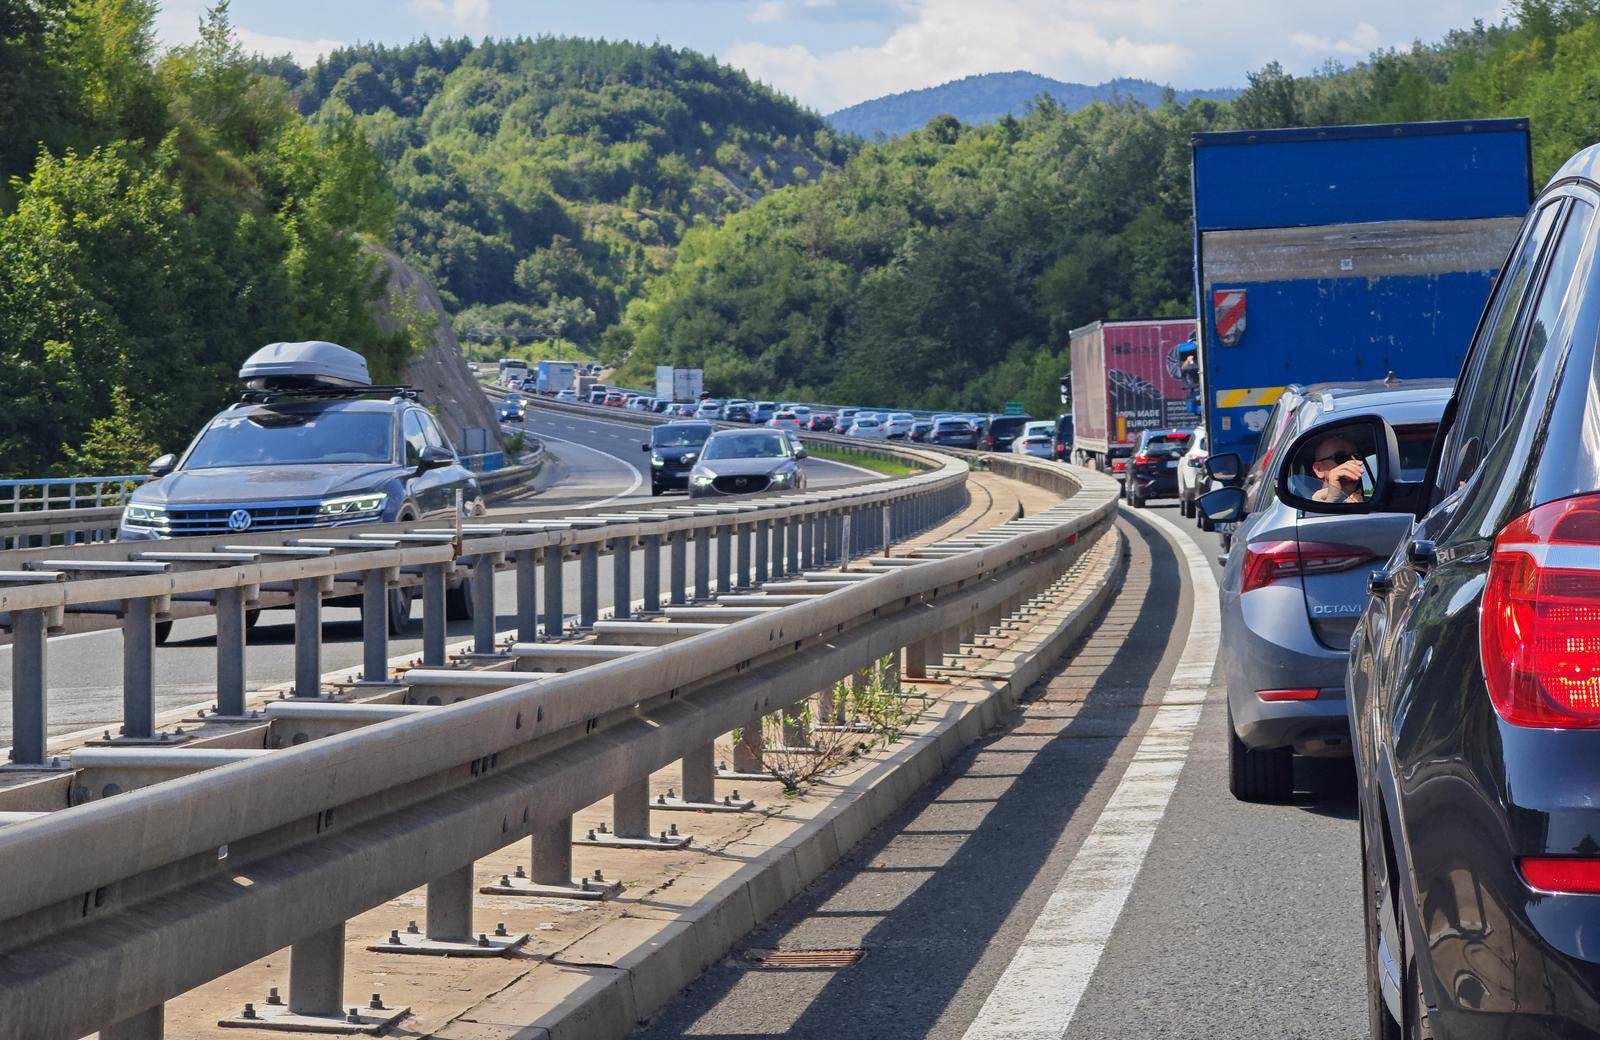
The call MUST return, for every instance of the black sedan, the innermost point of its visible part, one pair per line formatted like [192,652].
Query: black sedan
[954,433]
[1474,680]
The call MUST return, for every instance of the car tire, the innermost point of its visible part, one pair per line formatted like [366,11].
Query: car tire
[655,489]
[400,622]
[1380,1023]
[1185,508]
[1135,499]
[458,601]
[1258,774]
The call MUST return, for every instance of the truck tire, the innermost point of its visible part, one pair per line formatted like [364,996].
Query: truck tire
[1258,774]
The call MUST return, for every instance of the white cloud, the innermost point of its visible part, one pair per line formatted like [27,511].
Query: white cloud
[1360,42]
[1184,42]
[304,52]
[770,11]
[463,14]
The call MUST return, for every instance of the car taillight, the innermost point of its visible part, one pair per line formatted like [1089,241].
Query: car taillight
[1273,696]
[1539,625]
[1118,465]
[1141,458]
[1561,873]
[1269,562]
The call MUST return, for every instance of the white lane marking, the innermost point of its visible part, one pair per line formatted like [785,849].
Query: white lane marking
[1038,994]
[638,475]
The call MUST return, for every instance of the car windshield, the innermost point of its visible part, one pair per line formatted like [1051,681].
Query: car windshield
[746,446]
[294,438]
[679,436]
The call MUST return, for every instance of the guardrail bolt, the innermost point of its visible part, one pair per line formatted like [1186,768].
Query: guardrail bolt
[663,836]
[736,793]
[505,880]
[500,929]
[411,927]
[248,1012]
[483,940]
[583,883]
[394,937]
[727,800]
[603,829]
[521,873]
[661,799]
[591,834]
[597,875]
[106,735]
[272,997]
[376,1003]
[673,830]
[354,1017]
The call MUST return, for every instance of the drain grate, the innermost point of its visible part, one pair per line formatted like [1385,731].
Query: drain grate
[805,958]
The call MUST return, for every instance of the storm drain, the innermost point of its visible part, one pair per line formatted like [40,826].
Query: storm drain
[804,958]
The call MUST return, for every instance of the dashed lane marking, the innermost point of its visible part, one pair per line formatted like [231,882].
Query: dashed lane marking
[1038,994]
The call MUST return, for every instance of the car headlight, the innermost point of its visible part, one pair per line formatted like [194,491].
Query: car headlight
[782,477]
[702,479]
[351,505]
[657,460]
[145,516]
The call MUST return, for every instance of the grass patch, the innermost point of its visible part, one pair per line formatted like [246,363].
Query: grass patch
[878,463]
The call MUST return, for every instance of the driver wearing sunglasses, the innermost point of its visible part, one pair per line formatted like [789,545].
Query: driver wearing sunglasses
[1336,464]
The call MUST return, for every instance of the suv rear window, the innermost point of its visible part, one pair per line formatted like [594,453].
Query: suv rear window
[1009,425]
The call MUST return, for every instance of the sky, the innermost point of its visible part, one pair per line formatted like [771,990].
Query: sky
[833,53]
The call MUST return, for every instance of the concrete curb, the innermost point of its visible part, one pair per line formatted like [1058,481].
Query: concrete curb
[608,981]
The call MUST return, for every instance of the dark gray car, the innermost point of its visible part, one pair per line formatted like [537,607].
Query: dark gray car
[1294,584]
[747,462]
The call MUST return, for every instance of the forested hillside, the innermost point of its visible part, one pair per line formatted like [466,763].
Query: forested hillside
[944,269]
[161,216]
[976,100]
[540,182]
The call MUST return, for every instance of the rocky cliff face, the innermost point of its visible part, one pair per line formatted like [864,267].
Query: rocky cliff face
[439,372]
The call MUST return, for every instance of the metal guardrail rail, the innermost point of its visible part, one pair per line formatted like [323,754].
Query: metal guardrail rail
[116,905]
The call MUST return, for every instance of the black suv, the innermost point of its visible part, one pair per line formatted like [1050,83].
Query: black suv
[1474,679]
[674,447]
[1153,470]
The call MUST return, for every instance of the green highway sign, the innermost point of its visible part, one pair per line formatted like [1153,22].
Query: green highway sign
[1013,407]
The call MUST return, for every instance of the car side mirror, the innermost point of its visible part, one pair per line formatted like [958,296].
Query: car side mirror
[800,452]
[1222,506]
[162,465]
[645,448]
[434,457]
[1225,467]
[1348,466]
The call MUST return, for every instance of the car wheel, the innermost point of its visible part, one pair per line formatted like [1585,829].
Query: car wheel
[655,489]
[400,622]
[1201,519]
[1135,499]
[1380,1023]
[1185,508]
[1258,774]
[458,601]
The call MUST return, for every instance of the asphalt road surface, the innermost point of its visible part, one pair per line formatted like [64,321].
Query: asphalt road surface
[1041,888]
[598,462]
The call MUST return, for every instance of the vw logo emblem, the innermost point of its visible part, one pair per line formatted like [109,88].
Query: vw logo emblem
[239,520]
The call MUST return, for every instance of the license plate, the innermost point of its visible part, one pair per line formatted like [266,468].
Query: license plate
[1226,528]
[1172,463]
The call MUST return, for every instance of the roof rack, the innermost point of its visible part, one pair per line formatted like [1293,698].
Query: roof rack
[327,393]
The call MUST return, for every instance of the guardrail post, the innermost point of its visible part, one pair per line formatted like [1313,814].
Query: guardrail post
[588,584]
[230,651]
[450,906]
[652,574]
[916,666]
[138,667]
[747,752]
[678,551]
[149,1024]
[763,539]
[702,564]
[433,619]
[483,615]
[316,973]
[527,566]
[845,548]
[308,637]
[700,774]
[792,544]
[724,558]
[622,578]
[746,535]
[374,629]
[630,810]
[551,854]
[554,624]
[30,687]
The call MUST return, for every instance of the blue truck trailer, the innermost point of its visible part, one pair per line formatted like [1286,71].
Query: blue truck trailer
[1336,254]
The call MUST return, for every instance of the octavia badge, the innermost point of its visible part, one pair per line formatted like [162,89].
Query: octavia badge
[239,520]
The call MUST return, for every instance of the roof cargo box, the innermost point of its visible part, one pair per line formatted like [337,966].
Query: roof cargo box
[309,365]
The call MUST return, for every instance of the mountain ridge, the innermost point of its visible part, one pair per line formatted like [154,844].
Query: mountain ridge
[987,97]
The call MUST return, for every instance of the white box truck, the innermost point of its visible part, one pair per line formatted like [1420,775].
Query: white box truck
[679,384]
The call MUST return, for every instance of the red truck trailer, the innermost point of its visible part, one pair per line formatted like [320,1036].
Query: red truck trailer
[1125,380]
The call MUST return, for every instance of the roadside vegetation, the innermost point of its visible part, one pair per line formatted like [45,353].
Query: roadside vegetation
[877,463]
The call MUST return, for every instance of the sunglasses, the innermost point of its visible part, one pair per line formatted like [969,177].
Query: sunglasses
[1338,458]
